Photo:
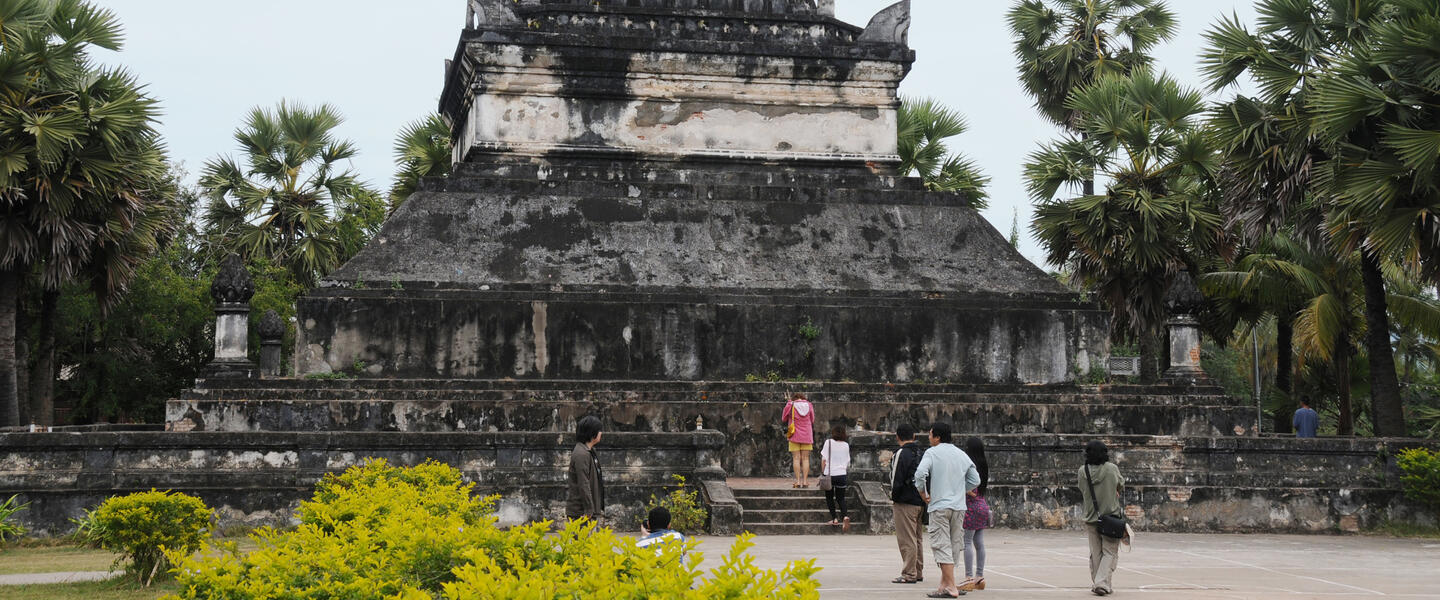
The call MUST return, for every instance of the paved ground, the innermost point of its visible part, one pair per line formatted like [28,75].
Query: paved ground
[1053,564]
[48,578]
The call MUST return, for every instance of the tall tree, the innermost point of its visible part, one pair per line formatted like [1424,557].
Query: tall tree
[1065,45]
[1260,284]
[1128,242]
[423,149]
[81,164]
[924,125]
[286,203]
[1380,108]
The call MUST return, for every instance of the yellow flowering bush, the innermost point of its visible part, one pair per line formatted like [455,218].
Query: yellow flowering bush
[1420,475]
[146,527]
[378,532]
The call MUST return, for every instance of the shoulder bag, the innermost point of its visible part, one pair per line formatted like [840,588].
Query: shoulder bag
[1111,526]
[824,481]
[789,416]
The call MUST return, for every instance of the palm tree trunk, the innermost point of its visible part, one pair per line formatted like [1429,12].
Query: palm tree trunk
[1284,348]
[1387,411]
[9,305]
[1342,385]
[42,379]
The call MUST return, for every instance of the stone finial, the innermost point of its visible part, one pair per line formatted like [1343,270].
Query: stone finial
[1184,297]
[889,26]
[272,327]
[232,284]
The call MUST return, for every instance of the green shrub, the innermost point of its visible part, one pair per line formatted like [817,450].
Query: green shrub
[584,564]
[687,513]
[146,527]
[1420,475]
[379,532]
[10,530]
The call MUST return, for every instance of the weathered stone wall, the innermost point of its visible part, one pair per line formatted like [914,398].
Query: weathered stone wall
[259,478]
[746,413]
[774,82]
[1232,484]
[600,335]
[582,270]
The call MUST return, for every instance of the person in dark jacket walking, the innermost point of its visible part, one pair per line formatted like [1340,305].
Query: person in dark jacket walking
[585,494]
[908,506]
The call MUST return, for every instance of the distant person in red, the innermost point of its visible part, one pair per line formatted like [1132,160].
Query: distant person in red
[799,419]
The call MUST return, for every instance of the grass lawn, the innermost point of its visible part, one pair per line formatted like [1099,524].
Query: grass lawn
[53,559]
[114,589]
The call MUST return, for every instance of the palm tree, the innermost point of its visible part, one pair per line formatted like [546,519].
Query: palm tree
[1065,45]
[1307,292]
[1154,217]
[1380,108]
[924,125]
[81,163]
[1269,145]
[285,204]
[423,149]
[1258,287]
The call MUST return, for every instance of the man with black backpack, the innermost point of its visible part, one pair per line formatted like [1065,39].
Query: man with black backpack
[1100,487]
[909,507]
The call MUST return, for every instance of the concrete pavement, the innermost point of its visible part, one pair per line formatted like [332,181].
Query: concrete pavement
[1053,564]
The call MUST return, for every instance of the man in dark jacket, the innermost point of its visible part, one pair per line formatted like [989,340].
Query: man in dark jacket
[909,508]
[585,494]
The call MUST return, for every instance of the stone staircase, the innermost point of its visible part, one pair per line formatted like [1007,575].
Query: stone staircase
[771,507]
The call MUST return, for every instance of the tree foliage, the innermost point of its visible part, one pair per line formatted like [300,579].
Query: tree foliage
[83,188]
[294,202]
[1065,45]
[422,149]
[1143,134]
[924,125]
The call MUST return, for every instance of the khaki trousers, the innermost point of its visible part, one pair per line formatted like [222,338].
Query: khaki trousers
[1104,557]
[910,534]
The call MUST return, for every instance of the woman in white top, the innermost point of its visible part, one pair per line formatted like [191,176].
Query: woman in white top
[835,462]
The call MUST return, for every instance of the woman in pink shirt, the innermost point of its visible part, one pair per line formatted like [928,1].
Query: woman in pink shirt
[799,418]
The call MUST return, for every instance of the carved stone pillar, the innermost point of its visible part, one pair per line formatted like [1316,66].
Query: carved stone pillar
[232,290]
[1184,302]
[272,334]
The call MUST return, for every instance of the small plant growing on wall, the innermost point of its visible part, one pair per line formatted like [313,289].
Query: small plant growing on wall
[687,513]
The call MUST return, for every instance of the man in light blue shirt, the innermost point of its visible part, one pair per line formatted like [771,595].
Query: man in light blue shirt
[945,474]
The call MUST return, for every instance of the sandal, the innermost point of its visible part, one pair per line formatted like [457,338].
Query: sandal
[902,579]
[940,594]
[833,522]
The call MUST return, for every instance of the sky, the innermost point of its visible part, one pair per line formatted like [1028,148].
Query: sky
[381,64]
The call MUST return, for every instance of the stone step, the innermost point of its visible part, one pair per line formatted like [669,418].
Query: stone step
[801,528]
[786,503]
[814,515]
[709,386]
[374,390]
[776,492]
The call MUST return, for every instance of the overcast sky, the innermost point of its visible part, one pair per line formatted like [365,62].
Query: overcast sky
[381,64]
